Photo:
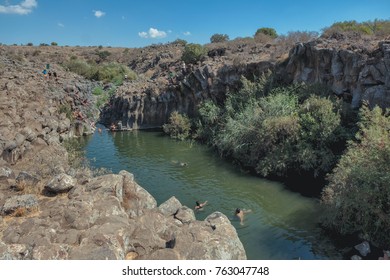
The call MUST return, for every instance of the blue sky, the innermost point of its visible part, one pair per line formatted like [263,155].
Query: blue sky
[128,23]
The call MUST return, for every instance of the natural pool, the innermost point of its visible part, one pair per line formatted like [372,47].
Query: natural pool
[282,224]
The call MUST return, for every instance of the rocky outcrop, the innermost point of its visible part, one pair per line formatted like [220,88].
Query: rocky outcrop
[112,217]
[36,112]
[355,73]
[148,104]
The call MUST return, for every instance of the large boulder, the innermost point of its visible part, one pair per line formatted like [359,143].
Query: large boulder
[170,207]
[60,184]
[21,203]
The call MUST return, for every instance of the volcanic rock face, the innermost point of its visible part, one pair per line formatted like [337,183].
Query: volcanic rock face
[361,75]
[149,104]
[354,72]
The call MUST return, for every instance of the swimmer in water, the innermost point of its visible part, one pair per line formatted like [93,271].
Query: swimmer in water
[240,214]
[199,206]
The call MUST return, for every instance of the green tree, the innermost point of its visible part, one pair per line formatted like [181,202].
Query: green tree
[178,126]
[54,44]
[180,42]
[193,53]
[218,38]
[357,198]
[271,32]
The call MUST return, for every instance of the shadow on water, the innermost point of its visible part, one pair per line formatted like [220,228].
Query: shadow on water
[282,224]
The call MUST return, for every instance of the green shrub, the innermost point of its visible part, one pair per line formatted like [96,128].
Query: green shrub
[376,27]
[110,72]
[193,53]
[67,109]
[218,38]
[178,126]
[103,54]
[98,91]
[207,124]
[267,31]
[54,44]
[180,42]
[270,129]
[357,198]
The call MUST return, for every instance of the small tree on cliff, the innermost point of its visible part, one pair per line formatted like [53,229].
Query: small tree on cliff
[219,38]
[178,126]
[267,31]
[193,53]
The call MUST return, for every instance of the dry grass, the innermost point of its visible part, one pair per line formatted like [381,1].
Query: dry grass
[25,188]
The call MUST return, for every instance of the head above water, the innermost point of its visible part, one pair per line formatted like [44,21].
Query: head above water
[197,203]
[238,210]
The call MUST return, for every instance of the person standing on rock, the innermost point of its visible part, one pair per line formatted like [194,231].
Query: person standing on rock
[183,68]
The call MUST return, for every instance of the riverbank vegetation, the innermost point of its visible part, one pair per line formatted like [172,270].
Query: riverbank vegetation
[302,129]
[357,198]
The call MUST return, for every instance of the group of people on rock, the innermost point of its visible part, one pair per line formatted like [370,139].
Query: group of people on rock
[239,213]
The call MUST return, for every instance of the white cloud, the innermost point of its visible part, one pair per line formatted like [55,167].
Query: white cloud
[99,14]
[187,33]
[24,8]
[60,24]
[153,33]
[143,34]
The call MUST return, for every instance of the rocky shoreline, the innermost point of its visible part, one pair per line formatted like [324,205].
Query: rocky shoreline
[49,210]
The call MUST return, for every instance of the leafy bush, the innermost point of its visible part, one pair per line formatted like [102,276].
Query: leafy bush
[180,42]
[103,54]
[272,130]
[218,38]
[178,126]
[267,31]
[54,44]
[110,72]
[193,53]
[97,91]
[376,27]
[357,198]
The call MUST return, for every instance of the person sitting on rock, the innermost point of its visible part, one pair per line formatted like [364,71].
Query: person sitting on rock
[240,214]
[200,205]
[112,127]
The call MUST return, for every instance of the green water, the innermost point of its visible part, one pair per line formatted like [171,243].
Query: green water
[282,224]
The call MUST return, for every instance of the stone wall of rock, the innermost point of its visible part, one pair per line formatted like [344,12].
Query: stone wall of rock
[355,73]
[148,104]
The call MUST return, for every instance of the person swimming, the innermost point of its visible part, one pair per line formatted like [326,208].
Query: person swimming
[240,214]
[199,205]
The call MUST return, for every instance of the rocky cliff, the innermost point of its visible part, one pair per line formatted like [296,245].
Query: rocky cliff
[356,71]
